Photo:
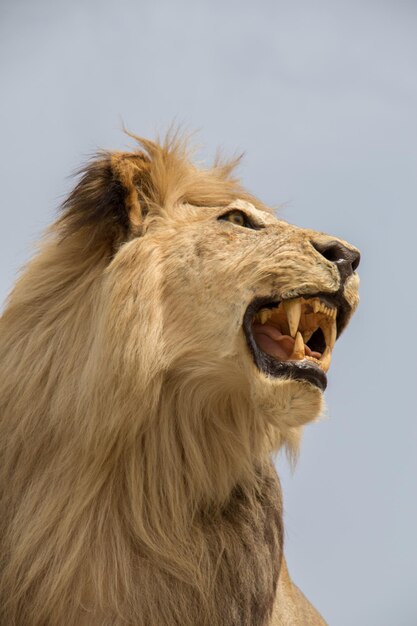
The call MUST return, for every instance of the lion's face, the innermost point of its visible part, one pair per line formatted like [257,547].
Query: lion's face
[248,293]
[221,301]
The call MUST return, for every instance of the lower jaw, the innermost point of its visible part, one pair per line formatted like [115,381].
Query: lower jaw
[304,370]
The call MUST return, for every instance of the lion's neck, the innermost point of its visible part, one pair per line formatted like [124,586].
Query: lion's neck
[238,549]
[134,512]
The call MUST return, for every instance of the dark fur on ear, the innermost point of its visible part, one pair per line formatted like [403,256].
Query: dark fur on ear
[117,190]
[106,202]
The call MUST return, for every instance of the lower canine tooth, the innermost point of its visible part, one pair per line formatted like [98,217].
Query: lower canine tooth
[325,359]
[299,348]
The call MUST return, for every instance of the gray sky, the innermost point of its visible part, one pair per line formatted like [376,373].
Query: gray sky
[322,97]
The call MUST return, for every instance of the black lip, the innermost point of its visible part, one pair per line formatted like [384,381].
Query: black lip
[302,370]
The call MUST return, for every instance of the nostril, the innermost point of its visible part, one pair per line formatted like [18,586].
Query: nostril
[331,253]
[356,260]
[336,252]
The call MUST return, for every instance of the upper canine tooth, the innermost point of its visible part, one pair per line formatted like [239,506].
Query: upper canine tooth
[293,310]
[329,331]
[316,305]
[299,348]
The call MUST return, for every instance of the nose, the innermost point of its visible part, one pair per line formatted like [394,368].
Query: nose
[346,259]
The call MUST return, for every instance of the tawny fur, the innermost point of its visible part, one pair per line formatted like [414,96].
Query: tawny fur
[136,485]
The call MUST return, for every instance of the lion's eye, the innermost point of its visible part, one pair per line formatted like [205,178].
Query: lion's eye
[239,218]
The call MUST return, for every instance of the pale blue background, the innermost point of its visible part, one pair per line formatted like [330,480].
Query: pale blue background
[322,96]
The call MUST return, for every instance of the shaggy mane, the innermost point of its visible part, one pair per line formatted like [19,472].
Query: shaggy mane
[104,466]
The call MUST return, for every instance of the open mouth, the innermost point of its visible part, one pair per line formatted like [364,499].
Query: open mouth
[295,338]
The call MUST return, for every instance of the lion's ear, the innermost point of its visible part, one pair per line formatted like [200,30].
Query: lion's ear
[111,198]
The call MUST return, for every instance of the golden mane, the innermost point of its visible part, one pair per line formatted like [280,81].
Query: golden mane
[99,441]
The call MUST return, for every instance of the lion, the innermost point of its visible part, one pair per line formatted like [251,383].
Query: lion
[168,338]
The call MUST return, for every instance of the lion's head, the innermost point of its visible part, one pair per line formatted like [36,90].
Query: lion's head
[239,304]
[169,335]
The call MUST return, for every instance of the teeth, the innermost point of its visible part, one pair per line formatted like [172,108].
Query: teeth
[320,307]
[325,359]
[292,313]
[299,348]
[329,331]
[333,333]
[264,315]
[293,310]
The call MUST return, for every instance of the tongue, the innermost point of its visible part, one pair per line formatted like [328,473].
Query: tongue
[271,340]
